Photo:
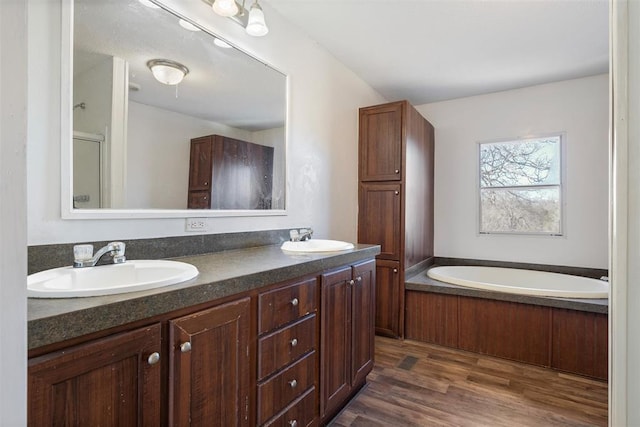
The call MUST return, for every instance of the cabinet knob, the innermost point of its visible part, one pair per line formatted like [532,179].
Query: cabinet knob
[395,270]
[293,423]
[396,192]
[185,347]
[351,282]
[153,358]
[295,302]
[294,342]
[293,383]
[206,183]
[205,197]
[397,171]
[359,279]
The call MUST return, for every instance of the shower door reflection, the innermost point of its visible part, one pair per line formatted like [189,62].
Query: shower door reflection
[87,170]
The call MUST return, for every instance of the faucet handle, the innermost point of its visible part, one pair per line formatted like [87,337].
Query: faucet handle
[82,252]
[118,248]
[293,235]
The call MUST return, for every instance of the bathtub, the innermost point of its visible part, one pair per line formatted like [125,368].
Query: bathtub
[524,282]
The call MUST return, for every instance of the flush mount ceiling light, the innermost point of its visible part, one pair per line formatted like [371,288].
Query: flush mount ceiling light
[253,19]
[188,25]
[221,43]
[149,4]
[167,72]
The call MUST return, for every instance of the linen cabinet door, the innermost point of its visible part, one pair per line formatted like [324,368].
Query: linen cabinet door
[210,370]
[380,142]
[362,321]
[379,220]
[388,296]
[107,382]
[200,164]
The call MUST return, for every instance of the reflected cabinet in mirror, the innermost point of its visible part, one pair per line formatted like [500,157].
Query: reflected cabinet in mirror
[166,116]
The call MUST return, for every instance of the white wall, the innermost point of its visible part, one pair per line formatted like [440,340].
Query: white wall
[13,225]
[577,107]
[322,135]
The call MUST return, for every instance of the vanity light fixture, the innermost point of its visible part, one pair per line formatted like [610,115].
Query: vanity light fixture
[188,25]
[226,8]
[221,43]
[254,23]
[256,26]
[149,4]
[167,72]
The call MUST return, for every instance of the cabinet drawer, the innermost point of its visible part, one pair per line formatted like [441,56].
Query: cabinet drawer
[301,413]
[286,345]
[284,388]
[283,305]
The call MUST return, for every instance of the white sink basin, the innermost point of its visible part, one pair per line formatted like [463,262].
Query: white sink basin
[136,275]
[316,245]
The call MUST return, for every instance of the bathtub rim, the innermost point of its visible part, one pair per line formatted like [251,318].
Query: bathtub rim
[518,290]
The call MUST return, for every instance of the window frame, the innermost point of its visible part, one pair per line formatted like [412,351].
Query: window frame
[561,185]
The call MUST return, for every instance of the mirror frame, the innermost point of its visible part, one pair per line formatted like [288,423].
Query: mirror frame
[66,139]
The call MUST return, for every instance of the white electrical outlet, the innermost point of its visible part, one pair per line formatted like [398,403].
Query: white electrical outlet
[196,224]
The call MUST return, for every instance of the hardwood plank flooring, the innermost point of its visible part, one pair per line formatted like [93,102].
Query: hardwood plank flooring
[419,384]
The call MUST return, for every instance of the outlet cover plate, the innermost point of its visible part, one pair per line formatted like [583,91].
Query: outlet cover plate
[196,224]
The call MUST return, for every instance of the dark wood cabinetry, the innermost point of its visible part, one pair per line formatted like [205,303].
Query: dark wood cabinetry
[396,166]
[388,294]
[110,381]
[288,354]
[210,366]
[257,358]
[346,333]
[227,173]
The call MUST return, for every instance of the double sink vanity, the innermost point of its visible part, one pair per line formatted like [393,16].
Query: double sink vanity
[262,336]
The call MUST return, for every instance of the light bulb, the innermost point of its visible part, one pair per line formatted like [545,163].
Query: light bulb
[225,8]
[256,26]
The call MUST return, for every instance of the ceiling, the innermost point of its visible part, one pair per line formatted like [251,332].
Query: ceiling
[433,50]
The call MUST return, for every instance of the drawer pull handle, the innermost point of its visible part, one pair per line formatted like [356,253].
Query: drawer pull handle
[295,302]
[293,383]
[293,423]
[153,358]
[294,342]
[185,347]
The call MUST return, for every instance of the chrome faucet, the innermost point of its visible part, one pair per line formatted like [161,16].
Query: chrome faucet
[300,235]
[83,254]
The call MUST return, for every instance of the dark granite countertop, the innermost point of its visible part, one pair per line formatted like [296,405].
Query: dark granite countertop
[222,274]
[423,283]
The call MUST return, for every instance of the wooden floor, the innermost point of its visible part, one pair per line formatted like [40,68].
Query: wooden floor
[418,384]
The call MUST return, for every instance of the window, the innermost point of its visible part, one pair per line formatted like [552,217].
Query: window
[520,186]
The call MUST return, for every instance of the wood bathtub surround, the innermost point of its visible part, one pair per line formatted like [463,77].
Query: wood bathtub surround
[566,340]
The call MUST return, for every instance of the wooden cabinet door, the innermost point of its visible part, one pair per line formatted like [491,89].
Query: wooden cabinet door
[388,297]
[200,164]
[335,340]
[210,366]
[362,321]
[379,220]
[381,142]
[107,382]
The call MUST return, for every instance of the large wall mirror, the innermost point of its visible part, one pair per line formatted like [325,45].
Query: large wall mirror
[167,119]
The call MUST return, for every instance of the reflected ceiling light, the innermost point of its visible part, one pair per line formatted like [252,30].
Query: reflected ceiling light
[188,25]
[221,43]
[256,26]
[167,72]
[149,4]
[225,8]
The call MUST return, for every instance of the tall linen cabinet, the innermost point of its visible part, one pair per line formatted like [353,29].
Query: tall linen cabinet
[395,198]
